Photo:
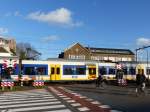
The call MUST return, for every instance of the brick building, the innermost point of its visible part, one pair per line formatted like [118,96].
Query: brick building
[77,51]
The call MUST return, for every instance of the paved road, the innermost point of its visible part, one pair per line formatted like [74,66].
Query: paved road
[52,99]
[119,98]
[31,101]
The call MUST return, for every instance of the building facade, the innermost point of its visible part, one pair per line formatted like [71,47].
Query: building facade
[77,51]
[7,47]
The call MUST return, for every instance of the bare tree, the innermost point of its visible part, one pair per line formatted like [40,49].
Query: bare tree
[25,51]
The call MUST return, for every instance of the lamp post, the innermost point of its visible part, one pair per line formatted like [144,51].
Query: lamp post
[147,65]
[144,47]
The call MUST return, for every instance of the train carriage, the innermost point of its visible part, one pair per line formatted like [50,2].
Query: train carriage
[69,70]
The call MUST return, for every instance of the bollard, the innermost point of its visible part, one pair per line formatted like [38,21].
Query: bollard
[7,83]
[38,83]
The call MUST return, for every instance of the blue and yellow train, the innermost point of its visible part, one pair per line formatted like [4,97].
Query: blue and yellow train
[71,70]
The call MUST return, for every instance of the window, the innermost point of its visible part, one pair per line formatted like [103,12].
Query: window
[7,72]
[148,71]
[125,71]
[68,70]
[58,70]
[132,71]
[112,71]
[80,71]
[52,70]
[29,71]
[92,71]
[41,71]
[103,70]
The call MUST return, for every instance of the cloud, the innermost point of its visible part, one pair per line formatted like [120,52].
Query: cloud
[3,30]
[50,38]
[61,16]
[143,41]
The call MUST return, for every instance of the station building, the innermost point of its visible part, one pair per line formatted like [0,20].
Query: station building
[77,51]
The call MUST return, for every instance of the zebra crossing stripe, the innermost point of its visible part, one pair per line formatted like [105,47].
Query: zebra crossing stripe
[27,94]
[22,96]
[76,104]
[36,108]
[15,98]
[31,104]
[28,101]
[83,109]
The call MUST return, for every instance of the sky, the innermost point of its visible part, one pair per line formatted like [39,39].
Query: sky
[51,26]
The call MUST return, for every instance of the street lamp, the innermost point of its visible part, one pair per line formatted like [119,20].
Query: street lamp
[144,47]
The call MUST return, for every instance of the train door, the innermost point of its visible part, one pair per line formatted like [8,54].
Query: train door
[140,69]
[55,72]
[92,71]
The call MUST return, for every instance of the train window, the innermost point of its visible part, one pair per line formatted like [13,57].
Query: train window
[29,71]
[125,71]
[148,71]
[132,71]
[68,71]
[103,71]
[58,70]
[92,71]
[41,71]
[80,71]
[112,71]
[6,73]
[52,70]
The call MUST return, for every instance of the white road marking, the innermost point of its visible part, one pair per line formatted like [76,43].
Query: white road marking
[67,98]
[89,99]
[20,99]
[70,101]
[95,102]
[83,109]
[82,97]
[36,108]
[63,96]
[104,106]
[28,101]
[76,104]
[31,104]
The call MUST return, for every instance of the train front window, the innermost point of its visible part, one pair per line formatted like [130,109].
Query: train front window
[92,71]
[80,71]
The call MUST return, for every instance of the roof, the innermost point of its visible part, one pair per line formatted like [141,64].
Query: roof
[74,45]
[110,51]
[3,50]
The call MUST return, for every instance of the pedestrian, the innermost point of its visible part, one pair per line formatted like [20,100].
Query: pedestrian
[119,77]
[140,81]
[99,80]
